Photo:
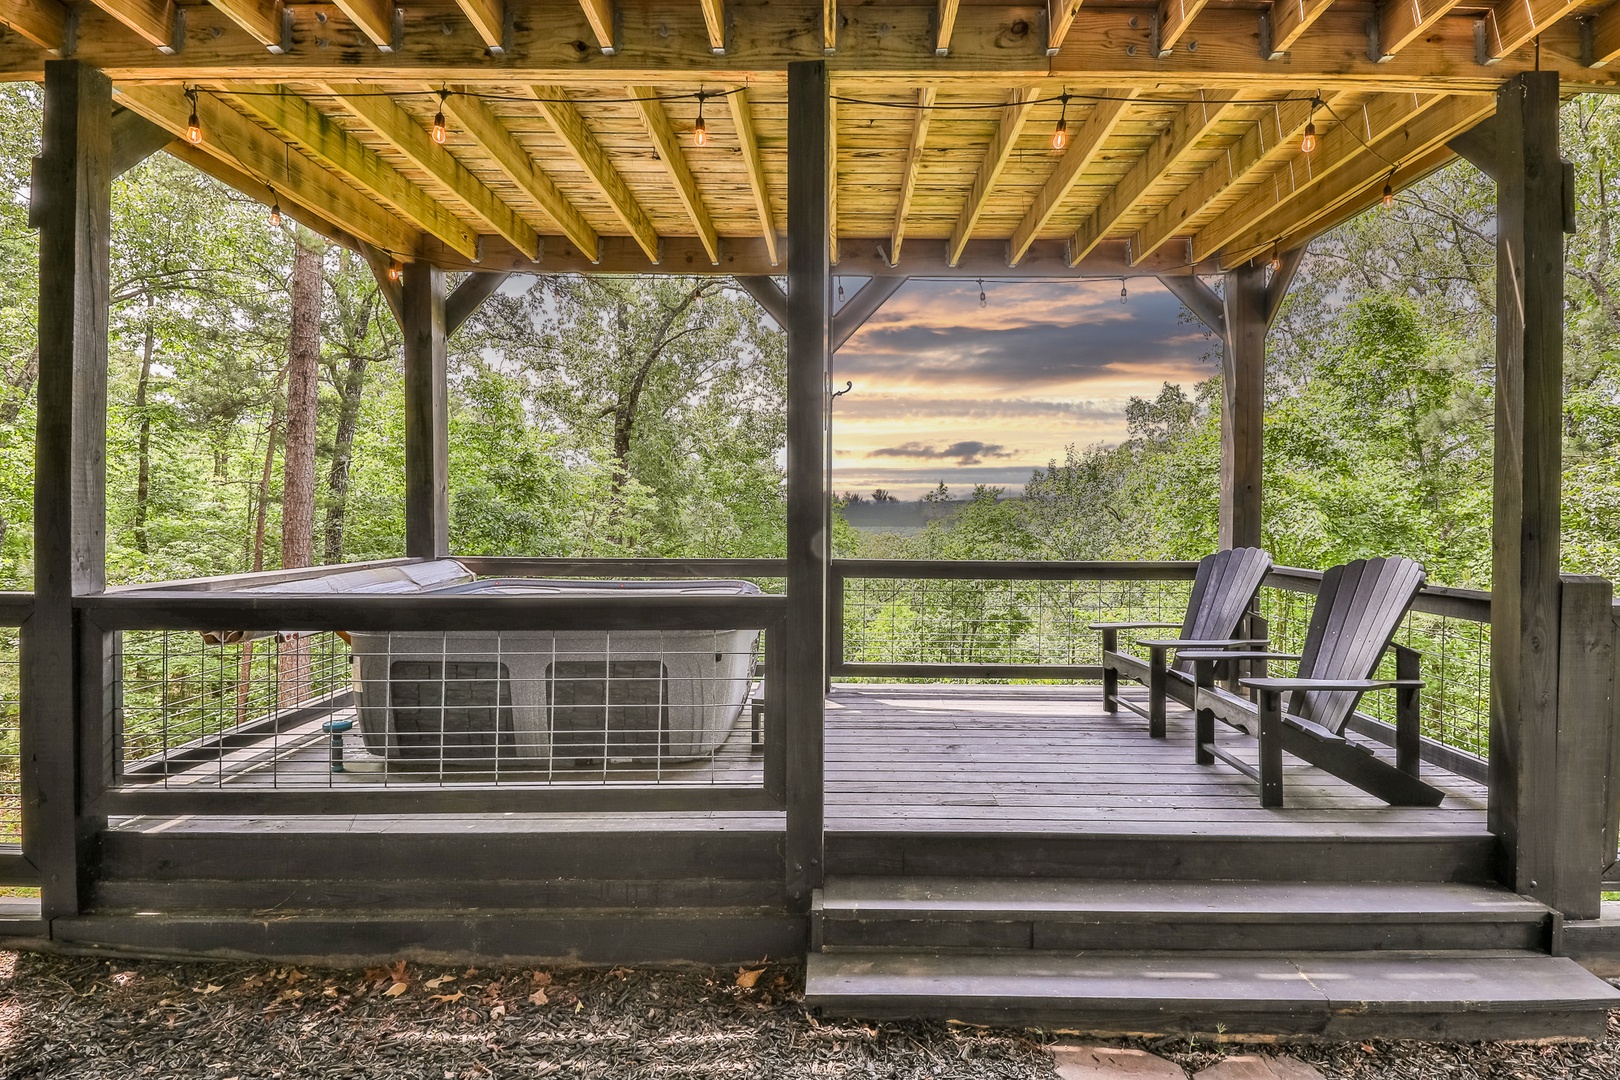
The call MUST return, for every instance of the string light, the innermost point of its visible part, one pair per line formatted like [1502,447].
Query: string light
[1123,295]
[1060,133]
[700,130]
[1308,141]
[840,290]
[275,209]
[439,131]
[1276,260]
[983,301]
[395,270]
[193,125]
[1388,200]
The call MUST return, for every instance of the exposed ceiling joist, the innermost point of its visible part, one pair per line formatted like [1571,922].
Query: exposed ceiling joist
[1175,19]
[600,14]
[946,27]
[259,156]
[1512,24]
[829,26]
[489,21]
[264,20]
[1269,138]
[655,118]
[742,118]
[1408,174]
[1083,148]
[714,20]
[44,22]
[518,165]
[1289,19]
[1296,220]
[1008,128]
[1190,125]
[362,166]
[1341,145]
[379,20]
[405,134]
[154,21]
[1401,22]
[1059,18]
[565,119]
[1605,37]
[908,178]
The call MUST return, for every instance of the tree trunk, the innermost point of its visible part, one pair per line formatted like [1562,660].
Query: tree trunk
[143,450]
[349,390]
[298,454]
[244,674]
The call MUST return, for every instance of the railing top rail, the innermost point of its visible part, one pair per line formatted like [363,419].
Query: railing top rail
[226,582]
[526,566]
[1015,569]
[1472,604]
[429,612]
[15,607]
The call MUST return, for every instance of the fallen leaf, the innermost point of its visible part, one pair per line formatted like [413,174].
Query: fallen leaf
[294,975]
[1368,1048]
[448,998]
[211,988]
[398,971]
[541,978]
[395,990]
[746,978]
[330,991]
[578,1006]
[438,981]
[497,1012]
[539,997]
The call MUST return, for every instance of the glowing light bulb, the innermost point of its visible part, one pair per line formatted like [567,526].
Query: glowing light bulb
[1389,196]
[275,209]
[439,131]
[1060,134]
[1308,142]
[193,125]
[395,271]
[700,132]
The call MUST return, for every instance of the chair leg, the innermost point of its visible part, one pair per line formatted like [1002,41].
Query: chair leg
[1156,691]
[1271,751]
[1203,719]
[1408,727]
[1110,678]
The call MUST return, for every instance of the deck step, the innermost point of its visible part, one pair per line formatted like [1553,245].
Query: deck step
[904,913]
[1451,996]
[20,917]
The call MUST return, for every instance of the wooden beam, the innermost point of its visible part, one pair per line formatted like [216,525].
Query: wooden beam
[245,146]
[1010,126]
[1288,264]
[1190,125]
[714,20]
[382,269]
[1059,19]
[655,118]
[1287,21]
[1478,146]
[1584,810]
[509,156]
[767,294]
[292,206]
[1603,44]
[1270,138]
[60,711]
[405,134]
[154,21]
[1361,201]
[947,25]
[1340,145]
[600,14]
[1175,19]
[570,126]
[1084,146]
[468,297]
[1511,24]
[427,417]
[379,20]
[742,118]
[809,357]
[134,139]
[1198,298]
[1402,22]
[1243,401]
[262,19]
[861,307]
[1297,220]
[908,179]
[44,22]
[829,27]
[1527,471]
[489,21]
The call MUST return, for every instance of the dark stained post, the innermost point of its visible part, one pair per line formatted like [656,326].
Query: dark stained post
[809,306]
[72,207]
[427,414]
[1243,404]
[1525,592]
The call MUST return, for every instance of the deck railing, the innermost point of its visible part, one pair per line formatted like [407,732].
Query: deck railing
[14,868]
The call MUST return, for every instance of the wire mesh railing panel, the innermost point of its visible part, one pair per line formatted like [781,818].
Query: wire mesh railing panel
[995,621]
[1455,701]
[435,708]
[10,729]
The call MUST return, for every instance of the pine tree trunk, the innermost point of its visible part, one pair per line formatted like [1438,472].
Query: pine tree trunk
[298,454]
[337,478]
[244,675]
[143,451]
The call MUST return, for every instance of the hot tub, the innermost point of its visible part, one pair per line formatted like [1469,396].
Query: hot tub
[544,699]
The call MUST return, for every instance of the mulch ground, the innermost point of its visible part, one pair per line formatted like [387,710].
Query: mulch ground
[71,1017]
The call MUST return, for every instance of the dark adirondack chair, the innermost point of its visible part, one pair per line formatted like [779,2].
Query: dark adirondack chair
[1358,609]
[1222,594]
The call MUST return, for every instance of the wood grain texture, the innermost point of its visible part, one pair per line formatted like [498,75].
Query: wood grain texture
[1243,403]
[1290,19]
[947,26]
[1511,24]
[1586,711]
[1402,22]
[714,20]
[1084,146]
[662,133]
[488,18]
[1175,19]
[43,22]
[151,20]
[260,18]
[565,119]
[908,177]
[427,418]
[374,18]
[1605,36]
[600,14]
[1010,124]
[742,118]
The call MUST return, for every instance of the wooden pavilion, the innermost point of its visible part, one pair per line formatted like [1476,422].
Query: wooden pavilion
[1007,854]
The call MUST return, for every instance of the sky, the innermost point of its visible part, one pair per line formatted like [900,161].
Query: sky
[947,389]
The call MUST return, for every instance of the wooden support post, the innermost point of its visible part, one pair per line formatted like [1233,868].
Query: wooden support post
[809,308]
[1586,642]
[1525,588]
[427,414]
[60,721]
[1243,405]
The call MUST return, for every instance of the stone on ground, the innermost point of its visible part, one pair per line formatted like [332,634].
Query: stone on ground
[1111,1062]
[1259,1067]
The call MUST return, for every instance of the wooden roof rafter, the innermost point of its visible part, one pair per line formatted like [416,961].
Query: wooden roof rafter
[158,22]
[43,22]
[1009,125]
[570,126]
[742,119]
[1107,110]
[908,179]
[656,120]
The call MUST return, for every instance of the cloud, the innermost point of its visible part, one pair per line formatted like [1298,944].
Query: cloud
[971,452]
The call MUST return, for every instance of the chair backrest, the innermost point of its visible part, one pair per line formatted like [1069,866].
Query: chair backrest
[1222,591]
[1359,607]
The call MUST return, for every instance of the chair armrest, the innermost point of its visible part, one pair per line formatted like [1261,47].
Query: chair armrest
[1232,654]
[1196,643]
[1134,626]
[1283,685]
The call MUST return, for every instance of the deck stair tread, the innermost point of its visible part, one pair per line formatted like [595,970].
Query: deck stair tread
[1449,994]
[1054,899]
